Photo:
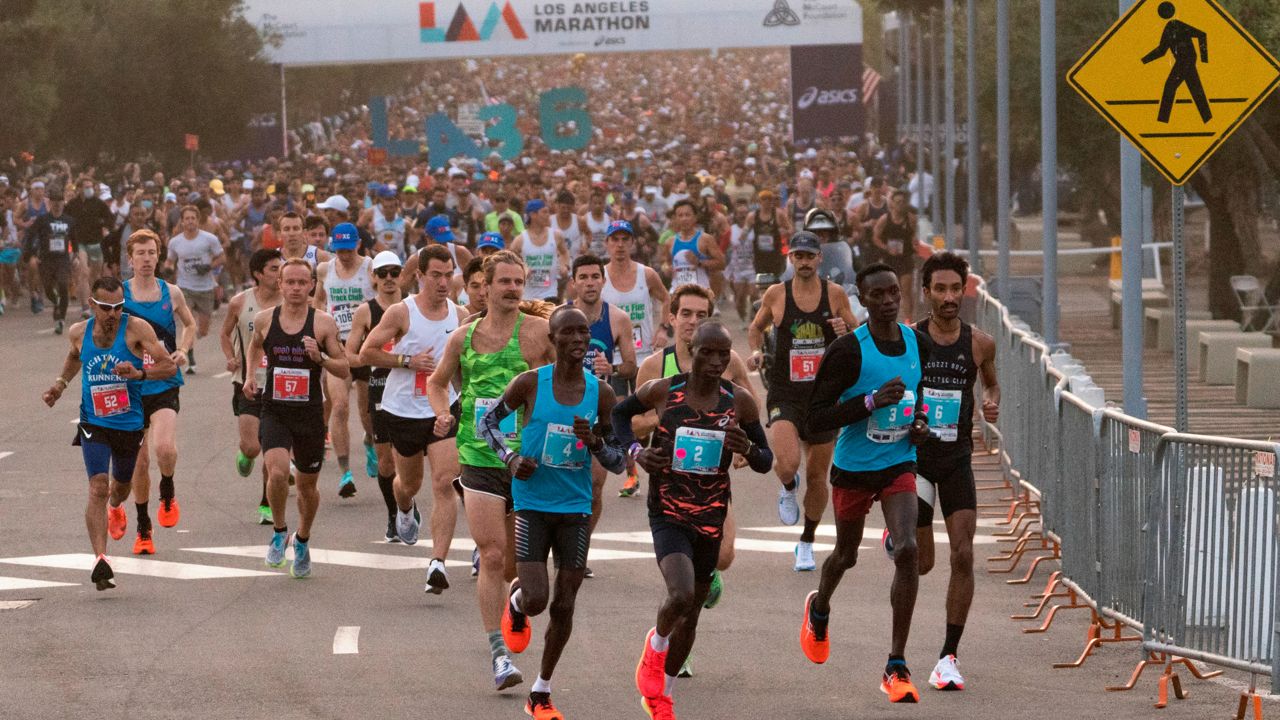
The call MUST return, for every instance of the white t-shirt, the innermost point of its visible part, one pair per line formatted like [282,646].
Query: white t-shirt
[191,253]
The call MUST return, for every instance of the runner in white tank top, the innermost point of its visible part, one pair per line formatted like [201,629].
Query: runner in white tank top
[645,300]
[406,390]
[343,295]
[568,223]
[597,228]
[543,251]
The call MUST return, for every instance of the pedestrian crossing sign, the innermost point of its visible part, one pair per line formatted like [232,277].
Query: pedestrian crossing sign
[1176,77]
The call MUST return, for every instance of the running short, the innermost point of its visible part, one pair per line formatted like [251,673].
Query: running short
[670,538]
[378,421]
[10,256]
[903,264]
[495,482]
[412,436]
[298,430]
[241,405]
[201,302]
[787,403]
[567,534]
[360,374]
[852,494]
[167,400]
[108,450]
[954,485]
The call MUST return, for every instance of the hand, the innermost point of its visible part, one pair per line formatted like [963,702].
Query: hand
[839,325]
[51,395]
[423,362]
[919,431]
[890,393]
[990,411]
[659,339]
[203,268]
[582,430]
[251,387]
[233,365]
[739,462]
[601,367]
[313,349]
[521,467]
[443,424]
[180,358]
[756,360]
[736,440]
[127,371]
[654,460]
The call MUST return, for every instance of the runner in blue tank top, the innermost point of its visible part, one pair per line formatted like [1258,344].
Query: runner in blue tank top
[108,349]
[568,413]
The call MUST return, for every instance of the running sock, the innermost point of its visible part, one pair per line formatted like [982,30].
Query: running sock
[952,643]
[895,662]
[669,686]
[541,686]
[658,642]
[344,463]
[281,530]
[385,484]
[144,519]
[300,539]
[817,619]
[515,602]
[166,487]
[810,528]
[497,647]
[264,502]
[791,486]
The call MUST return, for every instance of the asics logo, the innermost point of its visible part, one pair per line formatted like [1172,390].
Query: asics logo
[846,96]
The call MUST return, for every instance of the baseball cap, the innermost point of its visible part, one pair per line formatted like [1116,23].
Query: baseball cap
[345,237]
[508,217]
[409,189]
[248,184]
[439,230]
[386,192]
[170,197]
[37,184]
[619,226]
[804,241]
[335,202]
[707,192]
[533,206]
[386,258]
[491,240]
[215,187]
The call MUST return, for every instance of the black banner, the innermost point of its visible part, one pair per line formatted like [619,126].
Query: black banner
[826,92]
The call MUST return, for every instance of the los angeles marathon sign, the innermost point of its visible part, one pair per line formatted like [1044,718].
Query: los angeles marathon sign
[322,32]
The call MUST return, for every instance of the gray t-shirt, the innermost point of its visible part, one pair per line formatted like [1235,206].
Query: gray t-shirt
[191,255]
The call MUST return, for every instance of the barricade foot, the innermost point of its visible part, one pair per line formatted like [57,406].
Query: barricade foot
[1162,696]
[1096,640]
[1199,675]
[1053,612]
[1031,571]
[1151,661]
[1039,607]
[1242,708]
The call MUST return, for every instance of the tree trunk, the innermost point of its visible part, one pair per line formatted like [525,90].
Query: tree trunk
[1228,183]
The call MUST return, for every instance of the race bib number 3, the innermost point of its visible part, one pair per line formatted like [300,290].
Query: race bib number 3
[109,400]
[291,385]
[697,451]
[508,424]
[942,407]
[562,449]
[804,364]
[889,424]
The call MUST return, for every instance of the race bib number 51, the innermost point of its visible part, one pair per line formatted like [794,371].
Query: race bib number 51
[804,364]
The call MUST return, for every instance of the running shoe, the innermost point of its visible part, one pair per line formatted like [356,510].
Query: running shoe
[516,629]
[886,542]
[264,515]
[475,562]
[630,485]
[686,668]
[244,464]
[588,573]
[897,684]
[539,707]
[301,559]
[190,369]
[37,306]
[169,513]
[275,550]
[408,524]
[788,508]
[945,675]
[651,677]
[505,673]
[717,589]
[804,557]
[102,577]
[370,461]
[142,545]
[346,486]
[391,536]
[57,327]
[813,636]
[659,707]
[437,577]
[117,521]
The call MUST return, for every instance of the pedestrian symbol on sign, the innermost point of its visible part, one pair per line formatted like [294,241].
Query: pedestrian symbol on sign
[1180,39]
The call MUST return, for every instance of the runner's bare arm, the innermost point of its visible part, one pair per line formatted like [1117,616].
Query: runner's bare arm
[70,365]
[255,354]
[986,347]
[762,322]
[320,300]
[143,341]
[841,310]
[438,383]
[359,330]
[335,356]
[737,373]
[712,256]
[390,329]
[535,342]
[228,330]
[622,333]
[186,324]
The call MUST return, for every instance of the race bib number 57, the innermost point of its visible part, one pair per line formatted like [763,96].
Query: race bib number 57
[291,385]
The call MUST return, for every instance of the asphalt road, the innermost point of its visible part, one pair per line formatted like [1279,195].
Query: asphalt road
[204,629]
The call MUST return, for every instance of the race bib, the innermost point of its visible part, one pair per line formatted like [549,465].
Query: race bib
[291,385]
[638,336]
[342,315]
[697,451]
[562,449]
[540,277]
[942,408]
[420,383]
[508,424]
[111,399]
[57,244]
[804,364]
[260,373]
[684,276]
[895,247]
[148,362]
[889,424]
[764,243]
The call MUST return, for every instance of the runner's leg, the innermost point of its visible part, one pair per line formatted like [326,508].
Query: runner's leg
[338,390]
[817,493]
[841,559]
[444,502]
[900,518]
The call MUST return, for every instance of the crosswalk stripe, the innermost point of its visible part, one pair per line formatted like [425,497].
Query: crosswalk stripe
[5,454]
[138,566]
[223,374]
[869,534]
[740,543]
[16,583]
[369,561]
[16,604]
[346,641]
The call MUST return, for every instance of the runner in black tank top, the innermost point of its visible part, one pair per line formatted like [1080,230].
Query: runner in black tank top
[699,498]
[293,378]
[807,334]
[766,245]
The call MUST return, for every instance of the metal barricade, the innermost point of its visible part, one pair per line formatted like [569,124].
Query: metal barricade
[1076,492]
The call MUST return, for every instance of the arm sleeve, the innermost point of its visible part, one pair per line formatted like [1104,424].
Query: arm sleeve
[762,459]
[612,454]
[838,372]
[490,432]
[622,414]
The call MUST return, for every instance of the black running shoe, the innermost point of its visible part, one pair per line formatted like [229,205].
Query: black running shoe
[102,576]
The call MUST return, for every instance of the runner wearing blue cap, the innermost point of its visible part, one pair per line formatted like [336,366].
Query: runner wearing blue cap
[438,230]
[544,252]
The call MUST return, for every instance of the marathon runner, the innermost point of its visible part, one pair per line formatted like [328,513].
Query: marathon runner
[740,268]
[895,237]
[236,335]
[163,306]
[597,220]
[195,254]
[473,277]
[296,241]
[868,387]
[417,330]
[544,251]
[867,214]
[689,254]
[108,349]
[298,342]
[568,415]
[573,228]
[342,285]
[768,228]
[705,421]
[806,315]
[385,223]
[51,236]
[316,230]
[487,354]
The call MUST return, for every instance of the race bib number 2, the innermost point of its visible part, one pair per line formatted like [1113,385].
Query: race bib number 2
[109,400]
[697,451]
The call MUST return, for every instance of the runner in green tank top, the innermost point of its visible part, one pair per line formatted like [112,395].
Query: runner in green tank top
[484,378]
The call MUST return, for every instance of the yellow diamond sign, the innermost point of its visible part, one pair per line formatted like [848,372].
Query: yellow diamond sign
[1177,77]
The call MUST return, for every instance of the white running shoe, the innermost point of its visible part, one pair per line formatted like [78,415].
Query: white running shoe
[804,557]
[788,508]
[408,524]
[945,675]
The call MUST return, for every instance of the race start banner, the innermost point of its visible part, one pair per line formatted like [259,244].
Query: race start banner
[826,92]
[323,32]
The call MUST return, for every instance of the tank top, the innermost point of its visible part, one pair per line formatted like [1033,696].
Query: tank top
[880,441]
[670,361]
[312,256]
[377,375]
[406,392]
[344,296]
[949,376]
[636,303]
[874,213]
[694,491]
[766,251]
[572,235]
[802,338]
[544,271]
[159,315]
[897,235]
[106,399]
[485,377]
[682,271]
[601,341]
[597,228]
[562,481]
[293,378]
[242,337]
[798,213]
[389,232]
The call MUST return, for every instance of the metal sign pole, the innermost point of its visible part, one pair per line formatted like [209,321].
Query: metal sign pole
[284,117]
[973,215]
[935,167]
[1135,403]
[1002,144]
[949,157]
[908,82]
[1049,165]
[918,64]
[1179,314]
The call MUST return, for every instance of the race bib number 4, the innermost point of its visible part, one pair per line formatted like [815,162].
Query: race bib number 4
[111,399]
[508,424]
[804,364]
[697,451]
[889,424]
[942,407]
[291,385]
[562,449]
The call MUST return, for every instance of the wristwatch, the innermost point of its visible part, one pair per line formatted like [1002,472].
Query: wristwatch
[634,450]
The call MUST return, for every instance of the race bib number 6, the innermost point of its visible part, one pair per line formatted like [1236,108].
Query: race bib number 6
[942,407]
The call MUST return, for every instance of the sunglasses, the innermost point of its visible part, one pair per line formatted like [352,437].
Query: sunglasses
[384,273]
[109,307]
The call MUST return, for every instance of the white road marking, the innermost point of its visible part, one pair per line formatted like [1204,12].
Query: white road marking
[46,331]
[5,454]
[137,566]
[370,561]
[74,421]
[457,545]
[869,534]
[223,374]
[346,641]
[14,583]
[741,543]
[16,604]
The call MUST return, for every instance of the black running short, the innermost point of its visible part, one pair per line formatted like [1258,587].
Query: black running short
[299,430]
[412,436]
[167,400]
[495,482]
[241,405]
[360,374]
[108,450]
[785,402]
[670,538]
[540,533]
[953,480]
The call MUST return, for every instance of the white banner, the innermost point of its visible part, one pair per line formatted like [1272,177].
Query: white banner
[320,32]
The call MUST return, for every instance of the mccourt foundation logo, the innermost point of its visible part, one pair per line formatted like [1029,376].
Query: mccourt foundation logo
[462,29]
[781,14]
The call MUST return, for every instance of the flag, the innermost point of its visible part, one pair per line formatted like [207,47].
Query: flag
[870,84]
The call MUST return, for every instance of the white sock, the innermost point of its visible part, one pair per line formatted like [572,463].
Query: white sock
[671,683]
[658,642]
[515,605]
[540,685]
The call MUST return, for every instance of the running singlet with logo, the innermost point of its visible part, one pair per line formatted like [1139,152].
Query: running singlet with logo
[544,269]
[377,375]
[485,377]
[684,272]
[802,338]
[242,337]
[293,378]
[159,315]
[949,375]
[694,491]
[406,392]
[562,481]
[601,341]
[597,228]
[572,235]
[344,296]
[881,440]
[389,232]
[767,249]
[636,304]
[106,399]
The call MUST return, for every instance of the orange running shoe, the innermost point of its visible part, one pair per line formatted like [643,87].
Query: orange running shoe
[143,545]
[813,641]
[651,676]
[169,512]
[117,521]
[630,486]
[515,625]
[659,708]
[539,707]
[897,685]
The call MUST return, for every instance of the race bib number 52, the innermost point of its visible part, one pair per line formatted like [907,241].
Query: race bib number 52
[109,400]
